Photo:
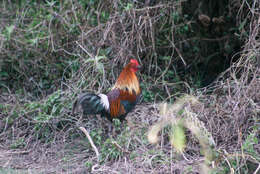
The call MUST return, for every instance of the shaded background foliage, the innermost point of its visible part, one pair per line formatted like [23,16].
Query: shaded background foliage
[45,42]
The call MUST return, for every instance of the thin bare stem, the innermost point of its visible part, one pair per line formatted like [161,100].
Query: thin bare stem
[90,140]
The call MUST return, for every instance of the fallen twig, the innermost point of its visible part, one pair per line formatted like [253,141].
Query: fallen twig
[119,147]
[258,168]
[90,140]
[19,152]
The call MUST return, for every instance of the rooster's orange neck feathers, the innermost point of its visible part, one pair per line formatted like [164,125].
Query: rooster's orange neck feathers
[127,79]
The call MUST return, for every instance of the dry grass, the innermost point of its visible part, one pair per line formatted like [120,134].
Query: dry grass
[75,155]
[71,155]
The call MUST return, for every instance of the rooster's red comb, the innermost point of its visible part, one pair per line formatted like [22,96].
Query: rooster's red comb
[134,61]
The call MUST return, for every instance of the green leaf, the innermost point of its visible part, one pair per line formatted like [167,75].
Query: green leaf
[178,137]
[4,74]
[9,31]
[129,6]
[100,67]
[242,24]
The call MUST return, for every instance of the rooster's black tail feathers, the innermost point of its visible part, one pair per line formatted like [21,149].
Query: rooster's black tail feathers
[90,104]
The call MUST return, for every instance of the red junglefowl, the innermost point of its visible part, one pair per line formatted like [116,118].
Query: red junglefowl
[119,101]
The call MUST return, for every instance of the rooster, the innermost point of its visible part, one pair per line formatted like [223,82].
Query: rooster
[119,101]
